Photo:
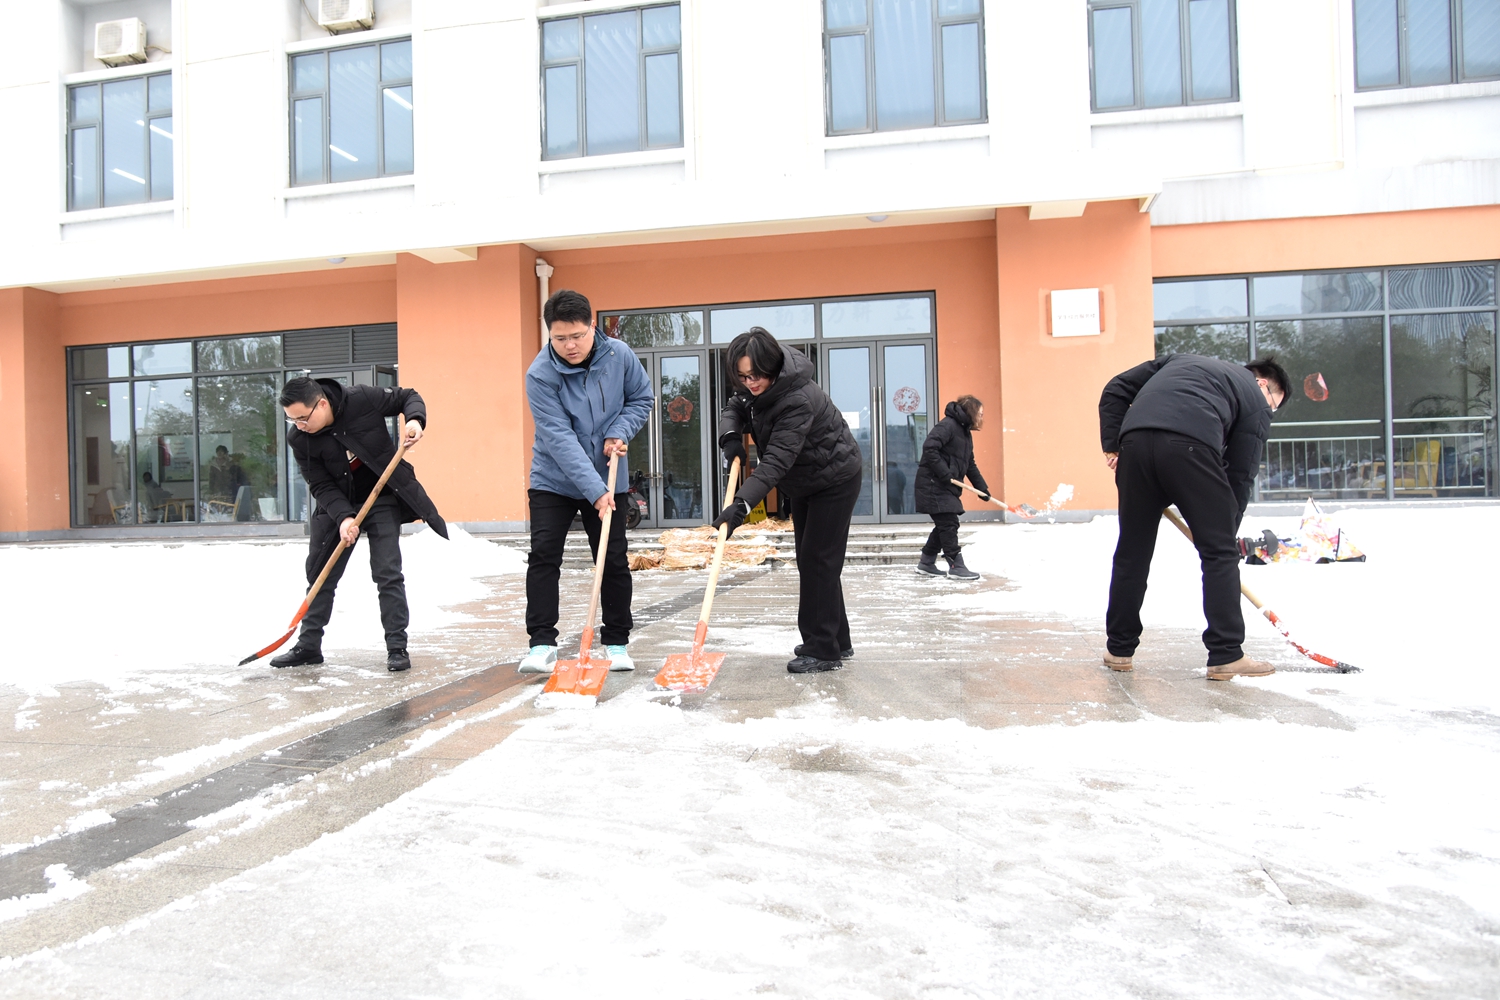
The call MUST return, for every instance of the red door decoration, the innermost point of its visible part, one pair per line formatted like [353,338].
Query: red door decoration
[906,400]
[1314,388]
[680,410]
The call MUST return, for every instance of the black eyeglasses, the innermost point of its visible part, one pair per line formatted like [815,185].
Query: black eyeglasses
[752,377]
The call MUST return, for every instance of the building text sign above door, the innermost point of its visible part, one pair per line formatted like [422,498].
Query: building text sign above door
[1075,312]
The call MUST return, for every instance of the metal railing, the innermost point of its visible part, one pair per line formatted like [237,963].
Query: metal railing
[1437,464]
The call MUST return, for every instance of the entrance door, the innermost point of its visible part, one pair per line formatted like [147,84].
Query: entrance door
[669,458]
[884,390]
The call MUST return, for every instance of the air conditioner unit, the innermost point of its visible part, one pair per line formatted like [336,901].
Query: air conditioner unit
[346,15]
[120,43]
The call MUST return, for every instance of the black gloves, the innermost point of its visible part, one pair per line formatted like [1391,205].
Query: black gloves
[984,496]
[734,515]
[733,447]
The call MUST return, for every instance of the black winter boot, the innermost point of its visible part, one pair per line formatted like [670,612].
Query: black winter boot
[928,564]
[958,571]
[811,665]
[298,656]
[396,661]
[844,654]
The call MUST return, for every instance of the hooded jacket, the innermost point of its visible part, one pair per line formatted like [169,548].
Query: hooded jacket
[804,443]
[947,454]
[575,409]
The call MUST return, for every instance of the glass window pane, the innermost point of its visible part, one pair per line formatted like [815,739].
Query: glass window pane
[1442,366]
[84,103]
[903,64]
[125,180]
[1481,20]
[164,449]
[238,353]
[681,439]
[1303,294]
[907,421]
[163,359]
[611,100]
[789,322]
[1208,34]
[398,130]
[846,83]
[1161,53]
[662,329]
[1375,61]
[961,72]
[1199,299]
[101,453]
[663,119]
[83,180]
[957,8]
[307,141]
[1429,42]
[661,27]
[561,84]
[1226,341]
[845,13]
[849,385]
[1439,287]
[101,362]
[1114,59]
[560,39]
[237,446]
[351,114]
[877,317]
[1337,368]
[395,60]
[159,92]
[161,157]
[308,70]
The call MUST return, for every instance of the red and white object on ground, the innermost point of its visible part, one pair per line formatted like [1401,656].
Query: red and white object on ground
[695,671]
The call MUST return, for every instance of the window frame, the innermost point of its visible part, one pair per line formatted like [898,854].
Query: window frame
[1456,72]
[70,126]
[872,112]
[1185,55]
[293,95]
[580,62]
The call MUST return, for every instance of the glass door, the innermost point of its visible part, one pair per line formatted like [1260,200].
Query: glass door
[669,457]
[850,383]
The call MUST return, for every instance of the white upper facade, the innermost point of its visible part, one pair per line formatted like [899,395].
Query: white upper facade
[1296,138]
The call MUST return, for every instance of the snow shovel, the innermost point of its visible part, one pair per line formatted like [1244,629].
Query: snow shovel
[338,549]
[1025,510]
[1332,664]
[585,677]
[695,671]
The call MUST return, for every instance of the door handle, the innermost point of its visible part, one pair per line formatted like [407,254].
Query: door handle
[875,443]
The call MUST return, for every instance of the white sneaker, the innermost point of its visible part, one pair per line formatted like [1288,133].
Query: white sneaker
[619,659]
[541,660]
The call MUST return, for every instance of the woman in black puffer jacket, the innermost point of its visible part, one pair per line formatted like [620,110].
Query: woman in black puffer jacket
[806,451]
[948,454]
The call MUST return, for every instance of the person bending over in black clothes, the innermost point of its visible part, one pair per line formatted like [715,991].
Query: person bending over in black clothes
[1187,430]
[808,453]
[948,454]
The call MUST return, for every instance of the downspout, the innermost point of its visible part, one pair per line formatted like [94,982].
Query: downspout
[543,277]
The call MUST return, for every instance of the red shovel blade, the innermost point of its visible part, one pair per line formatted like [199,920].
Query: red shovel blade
[693,671]
[273,647]
[582,677]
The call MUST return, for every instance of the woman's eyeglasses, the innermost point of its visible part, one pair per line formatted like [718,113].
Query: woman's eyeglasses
[752,377]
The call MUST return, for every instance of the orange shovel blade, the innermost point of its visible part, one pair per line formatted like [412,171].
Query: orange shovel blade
[581,676]
[689,671]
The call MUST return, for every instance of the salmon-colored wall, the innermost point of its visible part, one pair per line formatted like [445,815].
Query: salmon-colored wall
[1050,386]
[1435,236]
[34,464]
[955,260]
[468,332]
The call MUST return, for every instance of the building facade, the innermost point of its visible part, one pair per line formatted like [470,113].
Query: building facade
[1011,198]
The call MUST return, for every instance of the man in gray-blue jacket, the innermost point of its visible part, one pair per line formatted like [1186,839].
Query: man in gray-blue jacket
[589,396]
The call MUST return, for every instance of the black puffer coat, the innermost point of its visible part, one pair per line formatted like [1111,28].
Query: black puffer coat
[359,413]
[804,443]
[947,454]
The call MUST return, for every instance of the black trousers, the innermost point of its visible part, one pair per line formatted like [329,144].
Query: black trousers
[382,531]
[551,516]
[820,524]
[944,536]
[1155,469]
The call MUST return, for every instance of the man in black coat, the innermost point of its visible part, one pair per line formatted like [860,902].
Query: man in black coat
[342,445]
[948,454]
[808,452]
[1187,430]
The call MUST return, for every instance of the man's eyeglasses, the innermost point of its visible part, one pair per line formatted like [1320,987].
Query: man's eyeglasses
[572,338]
[302,420]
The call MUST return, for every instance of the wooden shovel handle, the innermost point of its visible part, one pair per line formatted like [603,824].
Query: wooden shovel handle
[1171,515]
[604,522]
[713,572]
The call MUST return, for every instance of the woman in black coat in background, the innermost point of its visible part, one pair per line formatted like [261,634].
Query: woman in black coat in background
[807,451]
[948,454]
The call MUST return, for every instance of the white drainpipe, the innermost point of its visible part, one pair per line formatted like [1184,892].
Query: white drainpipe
[543,276]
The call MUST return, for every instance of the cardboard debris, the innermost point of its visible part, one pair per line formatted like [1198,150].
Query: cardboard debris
[645,560]
[692,548]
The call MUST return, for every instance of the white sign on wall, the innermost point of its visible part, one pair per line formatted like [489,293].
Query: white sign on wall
[1075,312]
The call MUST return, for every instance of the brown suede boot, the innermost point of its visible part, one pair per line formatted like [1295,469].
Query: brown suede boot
[1121,664]
[1243,667]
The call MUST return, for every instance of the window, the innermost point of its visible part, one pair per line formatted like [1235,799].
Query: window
[612,83]
[1162,53]
[1419,43]
[922,60]
[352,113]
[1428,428]
[120,142]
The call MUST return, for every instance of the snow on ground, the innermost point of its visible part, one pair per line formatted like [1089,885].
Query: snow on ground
[176,612]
